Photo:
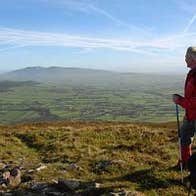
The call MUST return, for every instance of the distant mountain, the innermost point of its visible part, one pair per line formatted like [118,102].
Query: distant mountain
[91,77]
[56,75]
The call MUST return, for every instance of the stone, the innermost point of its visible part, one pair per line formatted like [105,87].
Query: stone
[68,184]
[94,185]
[97,185]
[12,177]
[126,193]
[30,171]
[6,175]
[39,186]
[53,193]
[15,177]
[41,167]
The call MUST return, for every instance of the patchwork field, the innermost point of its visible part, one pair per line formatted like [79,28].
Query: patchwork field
[35,102]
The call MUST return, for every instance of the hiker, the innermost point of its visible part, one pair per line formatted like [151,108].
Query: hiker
[188,102]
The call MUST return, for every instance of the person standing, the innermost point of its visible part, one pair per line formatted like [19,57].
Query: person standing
[188,102]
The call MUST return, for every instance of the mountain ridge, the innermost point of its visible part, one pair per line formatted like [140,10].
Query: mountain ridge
[82,76]
[52,68]
[58,75]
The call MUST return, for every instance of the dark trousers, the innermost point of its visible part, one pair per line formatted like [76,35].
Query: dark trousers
[187,131]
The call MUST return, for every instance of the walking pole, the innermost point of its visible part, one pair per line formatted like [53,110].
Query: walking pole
[179,141]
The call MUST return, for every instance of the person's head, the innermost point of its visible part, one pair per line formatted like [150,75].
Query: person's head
[190,57]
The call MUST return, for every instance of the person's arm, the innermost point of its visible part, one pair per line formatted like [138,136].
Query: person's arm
[187,103]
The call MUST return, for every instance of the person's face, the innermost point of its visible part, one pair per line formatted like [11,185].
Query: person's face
[189,61]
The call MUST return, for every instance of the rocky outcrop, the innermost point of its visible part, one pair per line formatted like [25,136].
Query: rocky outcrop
[15,182]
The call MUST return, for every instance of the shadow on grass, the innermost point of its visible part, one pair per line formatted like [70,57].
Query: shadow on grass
[146,180]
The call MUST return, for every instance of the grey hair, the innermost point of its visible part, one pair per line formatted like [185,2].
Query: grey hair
[191,52]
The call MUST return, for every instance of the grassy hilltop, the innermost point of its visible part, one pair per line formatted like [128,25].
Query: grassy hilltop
[120,156]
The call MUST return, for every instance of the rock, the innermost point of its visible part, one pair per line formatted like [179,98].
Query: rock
[53,193]
[6,175]
[94,185]
[39,186]
[15,177]
[12,177]
[97,185]
[68,184]
[41,167]
[55,181]
[7,194]
[3,184]
[127,193]
[30,171]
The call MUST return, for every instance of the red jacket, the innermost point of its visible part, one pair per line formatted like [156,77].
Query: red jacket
[189,100]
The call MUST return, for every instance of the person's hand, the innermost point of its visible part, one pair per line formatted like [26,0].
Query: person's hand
[176,98]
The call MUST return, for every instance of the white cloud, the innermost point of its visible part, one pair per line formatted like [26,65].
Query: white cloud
[192,20]
[12,38]
[188,7]
[15,37]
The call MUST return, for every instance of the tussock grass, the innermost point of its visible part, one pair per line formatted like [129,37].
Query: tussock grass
[131,156]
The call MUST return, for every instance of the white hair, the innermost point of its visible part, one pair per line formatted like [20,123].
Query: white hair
[191,53]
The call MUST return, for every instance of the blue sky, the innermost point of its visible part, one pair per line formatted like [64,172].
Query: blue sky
[120,35]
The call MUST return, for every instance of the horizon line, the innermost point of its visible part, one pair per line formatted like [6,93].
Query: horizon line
[95,69]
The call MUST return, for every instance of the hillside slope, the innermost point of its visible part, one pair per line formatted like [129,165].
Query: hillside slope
[59,75]
[92,77]
[118,156]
